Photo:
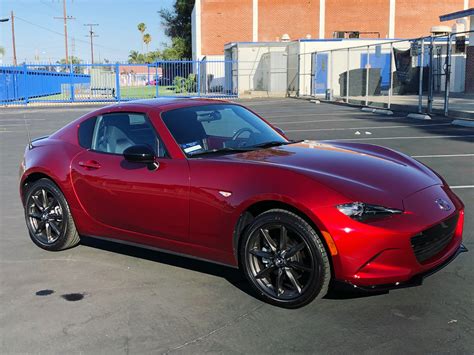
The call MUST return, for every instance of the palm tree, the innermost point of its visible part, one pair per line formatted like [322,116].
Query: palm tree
[147,40]
[133,57]
[142,28]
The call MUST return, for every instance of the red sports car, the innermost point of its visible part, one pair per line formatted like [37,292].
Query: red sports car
[213,180]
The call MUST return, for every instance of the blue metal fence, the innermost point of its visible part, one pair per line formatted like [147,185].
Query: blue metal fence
[53,83]
[23,83]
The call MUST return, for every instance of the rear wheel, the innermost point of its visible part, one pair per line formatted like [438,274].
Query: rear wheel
[284,259]
[48,217]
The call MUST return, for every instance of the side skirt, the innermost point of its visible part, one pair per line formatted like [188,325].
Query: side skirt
[144,246]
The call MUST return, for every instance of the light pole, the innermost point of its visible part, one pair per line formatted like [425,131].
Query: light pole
[12,18]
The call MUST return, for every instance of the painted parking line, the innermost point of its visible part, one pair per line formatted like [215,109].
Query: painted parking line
[2,119]
[462,187]
[314,121]
[391,138]
[292,114]
[376,127]
[443,156]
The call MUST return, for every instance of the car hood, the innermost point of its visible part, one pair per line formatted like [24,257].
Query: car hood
[361,172]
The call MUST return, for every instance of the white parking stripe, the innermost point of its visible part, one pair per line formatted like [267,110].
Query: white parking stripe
[312,121]
[389,138]
[442,156]
[290,114]
[462,187]
[376,127]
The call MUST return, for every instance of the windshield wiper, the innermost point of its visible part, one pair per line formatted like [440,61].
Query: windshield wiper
[221,150]
[273,144]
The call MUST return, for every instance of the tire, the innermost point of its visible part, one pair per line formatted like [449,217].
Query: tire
[49,221]
[290,271]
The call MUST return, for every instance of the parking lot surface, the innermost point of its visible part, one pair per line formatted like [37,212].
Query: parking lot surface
[105,298]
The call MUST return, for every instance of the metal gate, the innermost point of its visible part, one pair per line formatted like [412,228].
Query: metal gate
[59,83]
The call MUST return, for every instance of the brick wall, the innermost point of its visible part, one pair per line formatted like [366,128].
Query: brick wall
[295,17]
[415,18]
[224,21]
[360,15]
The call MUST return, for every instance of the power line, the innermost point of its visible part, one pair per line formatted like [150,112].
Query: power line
[39,26]
[43,2]
[61,34]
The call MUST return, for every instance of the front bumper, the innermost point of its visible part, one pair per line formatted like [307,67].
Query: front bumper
[416,280]
[380,255]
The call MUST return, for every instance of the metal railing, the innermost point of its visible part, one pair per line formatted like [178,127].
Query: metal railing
[60,83]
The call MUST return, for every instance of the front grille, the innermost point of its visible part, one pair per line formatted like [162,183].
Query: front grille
[433,240]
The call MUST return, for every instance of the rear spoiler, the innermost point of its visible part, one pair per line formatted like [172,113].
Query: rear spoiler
[39,138]
[30,142]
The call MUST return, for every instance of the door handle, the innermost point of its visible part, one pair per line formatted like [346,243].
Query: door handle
[90,164]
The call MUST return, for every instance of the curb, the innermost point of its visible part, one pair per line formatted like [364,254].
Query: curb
[463,123]
[419,116]
[377,111]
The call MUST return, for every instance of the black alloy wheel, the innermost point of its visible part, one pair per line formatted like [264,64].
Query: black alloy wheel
[284,259]
[48,217]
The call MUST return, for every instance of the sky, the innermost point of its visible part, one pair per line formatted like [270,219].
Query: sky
[38,34]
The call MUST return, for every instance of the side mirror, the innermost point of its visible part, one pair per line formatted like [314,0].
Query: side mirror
[279,130]
[141,153]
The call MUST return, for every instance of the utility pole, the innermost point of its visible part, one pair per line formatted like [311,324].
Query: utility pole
[73,46]
[12,16]
[91,35]
[65,18]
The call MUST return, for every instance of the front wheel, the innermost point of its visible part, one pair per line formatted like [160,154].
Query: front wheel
[284,259]
[48,217]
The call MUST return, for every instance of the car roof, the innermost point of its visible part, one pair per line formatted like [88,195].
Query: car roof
[166,103]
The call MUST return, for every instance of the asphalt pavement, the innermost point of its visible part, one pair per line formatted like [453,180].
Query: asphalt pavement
[105,298]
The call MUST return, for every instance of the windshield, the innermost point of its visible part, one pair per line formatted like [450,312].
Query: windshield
[221,128]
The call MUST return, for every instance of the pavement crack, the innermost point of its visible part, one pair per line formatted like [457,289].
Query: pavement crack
[208,334]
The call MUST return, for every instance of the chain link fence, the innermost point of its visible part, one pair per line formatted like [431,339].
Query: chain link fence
[424,75]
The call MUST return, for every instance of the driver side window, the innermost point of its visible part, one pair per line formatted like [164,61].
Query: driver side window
[115,132]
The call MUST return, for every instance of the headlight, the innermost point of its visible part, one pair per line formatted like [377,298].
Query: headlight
[362,211]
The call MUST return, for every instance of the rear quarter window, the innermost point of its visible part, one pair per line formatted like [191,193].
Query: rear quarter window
[85,132]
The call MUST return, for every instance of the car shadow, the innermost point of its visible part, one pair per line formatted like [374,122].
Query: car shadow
[343,291]
[233,276]
[337,291]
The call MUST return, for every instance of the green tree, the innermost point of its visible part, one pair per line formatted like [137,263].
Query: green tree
[133,57]
[177,23]
[176,51]
[72,60]
[136,57]
[2,51]
[146,40]
[142,28]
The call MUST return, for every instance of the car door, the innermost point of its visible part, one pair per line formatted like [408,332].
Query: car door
[125,195]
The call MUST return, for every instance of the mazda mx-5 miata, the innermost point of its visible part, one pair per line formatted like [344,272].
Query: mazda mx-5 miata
[212,180]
